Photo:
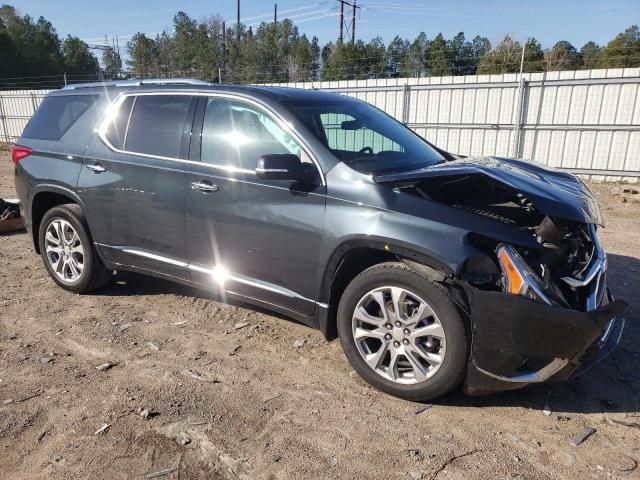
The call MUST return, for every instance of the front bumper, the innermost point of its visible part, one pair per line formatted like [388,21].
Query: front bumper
[518,342]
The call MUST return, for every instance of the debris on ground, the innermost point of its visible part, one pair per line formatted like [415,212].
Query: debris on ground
[147,413]
[45,360]
[124,327]
[423,408]
[547,410]
[299,343]
[202,378]
[585,433]
[626,424]
[153,346]
[102,429]
[273,397]
[184,439]
[447,462]
[161,473]
[10,216]
[104,366]
[177,324]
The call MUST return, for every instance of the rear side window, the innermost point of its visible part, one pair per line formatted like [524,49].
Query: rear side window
[56,115]
[156,125]
[117,129]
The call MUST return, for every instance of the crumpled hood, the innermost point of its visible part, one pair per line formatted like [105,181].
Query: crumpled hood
[552,192]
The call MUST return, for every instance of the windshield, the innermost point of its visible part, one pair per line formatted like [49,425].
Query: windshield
[364,137]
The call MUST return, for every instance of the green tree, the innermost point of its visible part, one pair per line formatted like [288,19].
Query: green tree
[142,55]
[7,14]
[440,61]
[562,56]
[417,59]
[78,59]
[37,46]
[506,57]
[111,64]
[396,57]
[590,53]
[165,47]
[623,51]
[7,53]
[186,31]
[480,46]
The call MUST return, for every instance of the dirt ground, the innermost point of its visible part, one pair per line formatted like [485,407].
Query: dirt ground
[227,395]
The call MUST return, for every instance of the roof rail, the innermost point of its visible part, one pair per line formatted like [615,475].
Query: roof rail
[137,83]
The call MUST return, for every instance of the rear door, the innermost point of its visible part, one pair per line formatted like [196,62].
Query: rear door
[132,182]
[258,238]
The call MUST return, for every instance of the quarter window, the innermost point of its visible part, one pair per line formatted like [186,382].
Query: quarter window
[156,125]
[236,134]
[56,115]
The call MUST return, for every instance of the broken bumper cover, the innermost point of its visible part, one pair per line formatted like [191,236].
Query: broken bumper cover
[518,342]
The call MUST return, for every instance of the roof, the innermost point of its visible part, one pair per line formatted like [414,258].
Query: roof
[275,93]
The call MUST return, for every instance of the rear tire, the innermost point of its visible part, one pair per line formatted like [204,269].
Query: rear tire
[68,252]
[418,354]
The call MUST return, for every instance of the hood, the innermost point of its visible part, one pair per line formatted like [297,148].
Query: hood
[552,192]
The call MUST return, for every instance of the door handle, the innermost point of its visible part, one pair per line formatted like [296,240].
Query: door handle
[204,187]
[96,168]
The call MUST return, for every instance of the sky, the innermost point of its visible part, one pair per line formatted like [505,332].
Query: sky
[547,20]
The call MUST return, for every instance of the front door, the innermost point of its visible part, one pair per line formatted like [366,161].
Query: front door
[256,238]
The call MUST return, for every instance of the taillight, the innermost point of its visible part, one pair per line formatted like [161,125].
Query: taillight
[18,153]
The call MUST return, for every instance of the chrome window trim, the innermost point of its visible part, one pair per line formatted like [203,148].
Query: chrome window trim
[282,123]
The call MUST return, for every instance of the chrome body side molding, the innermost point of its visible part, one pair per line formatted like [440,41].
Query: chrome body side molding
[219,276]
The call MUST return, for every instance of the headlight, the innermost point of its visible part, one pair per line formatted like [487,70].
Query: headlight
[518,277]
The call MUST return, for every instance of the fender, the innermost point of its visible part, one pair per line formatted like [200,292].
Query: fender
[393,249]
[46,188]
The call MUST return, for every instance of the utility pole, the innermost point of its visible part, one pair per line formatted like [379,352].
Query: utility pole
[238,23]
[353,22]
[275,13]
[344,24]
[341,20]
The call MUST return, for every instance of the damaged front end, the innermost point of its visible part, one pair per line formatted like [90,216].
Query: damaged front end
[538,312]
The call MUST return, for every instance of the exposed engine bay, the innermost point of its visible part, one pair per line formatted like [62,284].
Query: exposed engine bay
[567,247]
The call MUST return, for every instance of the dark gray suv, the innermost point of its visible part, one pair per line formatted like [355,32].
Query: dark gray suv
[432,269]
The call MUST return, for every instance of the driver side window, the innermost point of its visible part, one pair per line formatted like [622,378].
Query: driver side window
[236,134]
[341,135]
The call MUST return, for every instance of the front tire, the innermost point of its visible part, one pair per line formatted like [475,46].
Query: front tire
[402,333]
[67,251]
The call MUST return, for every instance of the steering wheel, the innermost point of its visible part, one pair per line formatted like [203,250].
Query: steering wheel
[367,150]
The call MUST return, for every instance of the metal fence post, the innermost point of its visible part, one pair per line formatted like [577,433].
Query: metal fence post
[523,88]
[4,121]
[406,102]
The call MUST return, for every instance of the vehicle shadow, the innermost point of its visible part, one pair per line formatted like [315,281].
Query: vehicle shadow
[611,386]
[130,284]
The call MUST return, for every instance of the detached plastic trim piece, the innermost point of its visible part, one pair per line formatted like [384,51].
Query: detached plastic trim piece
[541,375]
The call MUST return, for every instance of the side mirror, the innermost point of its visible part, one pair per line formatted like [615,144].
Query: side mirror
[283,166]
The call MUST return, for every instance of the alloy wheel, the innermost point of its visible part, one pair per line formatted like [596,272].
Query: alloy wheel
[64,250]
[398,335]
